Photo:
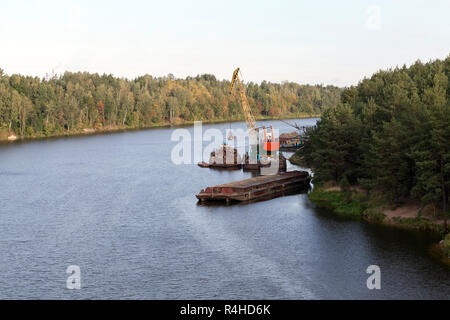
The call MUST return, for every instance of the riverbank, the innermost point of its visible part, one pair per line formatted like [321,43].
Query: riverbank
[5,136]
[355,204]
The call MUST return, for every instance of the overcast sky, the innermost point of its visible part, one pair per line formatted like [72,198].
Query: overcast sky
[328,42]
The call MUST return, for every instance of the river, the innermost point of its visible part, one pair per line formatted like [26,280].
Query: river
[117,206]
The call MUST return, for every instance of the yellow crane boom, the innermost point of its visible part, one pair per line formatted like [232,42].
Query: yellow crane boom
[249,118]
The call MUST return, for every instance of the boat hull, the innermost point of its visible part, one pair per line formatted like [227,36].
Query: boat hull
[257,188]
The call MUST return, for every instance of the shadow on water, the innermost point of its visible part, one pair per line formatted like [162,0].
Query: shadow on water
[387,237]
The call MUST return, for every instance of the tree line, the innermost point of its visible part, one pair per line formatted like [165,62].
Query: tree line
[390,135]
[33,107]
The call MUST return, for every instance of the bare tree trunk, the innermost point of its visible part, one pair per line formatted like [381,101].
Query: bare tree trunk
[23,120]
[125,116]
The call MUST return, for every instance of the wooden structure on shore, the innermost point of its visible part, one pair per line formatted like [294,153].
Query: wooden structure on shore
[291,141]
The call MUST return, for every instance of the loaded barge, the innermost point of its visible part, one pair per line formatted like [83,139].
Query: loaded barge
[223,158]
[257,188]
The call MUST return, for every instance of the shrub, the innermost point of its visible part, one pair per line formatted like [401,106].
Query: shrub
[446,245]
[352,209]
[419,224]
[374,214]
[344,184]
[342,203]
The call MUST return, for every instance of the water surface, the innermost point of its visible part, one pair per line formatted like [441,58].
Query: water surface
[116,206]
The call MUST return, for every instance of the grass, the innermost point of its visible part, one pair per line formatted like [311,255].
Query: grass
[352,209]
[374,214]
[345,204]
[418,223]
[353,204]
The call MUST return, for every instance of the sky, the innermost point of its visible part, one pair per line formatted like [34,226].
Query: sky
[309,42]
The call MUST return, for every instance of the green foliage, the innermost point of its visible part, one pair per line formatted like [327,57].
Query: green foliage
[446,245]
[297,159]
[419,224]
[333,147]
[374,214]
[344,184]
[390,134]
[327,199]
[352,209]
[69,103]
[344,204]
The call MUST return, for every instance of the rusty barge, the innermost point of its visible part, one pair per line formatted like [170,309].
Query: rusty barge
[223,158]
[257,188]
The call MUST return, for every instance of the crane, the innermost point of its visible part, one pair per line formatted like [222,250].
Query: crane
[270,144]
[253,131]
[249,118]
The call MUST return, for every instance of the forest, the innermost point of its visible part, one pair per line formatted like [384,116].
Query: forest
[73,102]
[389,135]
